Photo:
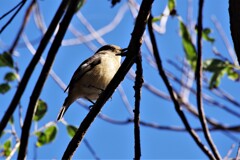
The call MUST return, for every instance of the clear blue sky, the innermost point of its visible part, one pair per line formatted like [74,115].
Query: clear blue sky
[111,140]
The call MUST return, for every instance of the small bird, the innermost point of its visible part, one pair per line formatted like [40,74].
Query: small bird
[93,76]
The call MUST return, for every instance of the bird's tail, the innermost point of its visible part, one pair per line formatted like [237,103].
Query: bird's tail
[62,112]
[64,108]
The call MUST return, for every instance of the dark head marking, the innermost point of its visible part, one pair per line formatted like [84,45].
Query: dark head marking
[108,48]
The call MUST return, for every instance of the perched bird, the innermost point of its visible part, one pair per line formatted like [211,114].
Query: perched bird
[93,76]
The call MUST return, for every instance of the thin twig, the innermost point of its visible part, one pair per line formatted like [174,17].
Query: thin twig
[226,42]
[78,34]
[224,95]
[206,97]
[189,14]
[91,149]
[190,108]
[43,76]
[13,16]
[125,100]
[38,19]
[31,66]
[229,152]
[198,75]
[238,153]
[11,10]
[172,93]
[49,124]
[90,28]
[133,49]
[13,150]
[137,88]
[100,32]
[24,23]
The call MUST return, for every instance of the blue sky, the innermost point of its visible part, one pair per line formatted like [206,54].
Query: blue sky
[111,140]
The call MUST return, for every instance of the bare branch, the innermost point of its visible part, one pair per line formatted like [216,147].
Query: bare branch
[223,35]
[172,94]
[234,16]
[43,76]
[137,88]
[217,91]
[125,100]
[95,34]
[11,10]
[31,66]
[229,152]
[91,149]
[198,75]
[133,50]
[13,16]
[238,153]
[24,23]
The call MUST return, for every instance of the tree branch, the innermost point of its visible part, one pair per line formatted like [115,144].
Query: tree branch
[43,76]
[137,88]
[133,50]
[234,16]
[25,20]
[198,75]
[172,94]
[13,16]
[31,66]
[11,10]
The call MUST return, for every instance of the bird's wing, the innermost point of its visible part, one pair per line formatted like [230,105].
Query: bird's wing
[85,67]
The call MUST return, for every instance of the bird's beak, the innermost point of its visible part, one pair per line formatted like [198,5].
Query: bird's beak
[123,52]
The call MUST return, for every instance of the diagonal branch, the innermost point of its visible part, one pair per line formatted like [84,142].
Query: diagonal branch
[11,10]
[198,75]
[43,76]
[172,94]
[31,66]
[133,50]
[25,20]
[13,16]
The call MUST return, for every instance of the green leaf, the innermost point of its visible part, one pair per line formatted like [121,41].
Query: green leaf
[6,60]
[4,87]
[216,78]
[80,4]
[232,74]
[189,48]
[51,133]
[10,76]
[219,68]
[213,65]
[156,19]
[171,4]
[7,144]
[42,139]
[205,34]
[71,130]
[47,136]
[7,148]
[40,110]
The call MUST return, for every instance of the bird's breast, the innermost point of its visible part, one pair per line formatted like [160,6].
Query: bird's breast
[97,79]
